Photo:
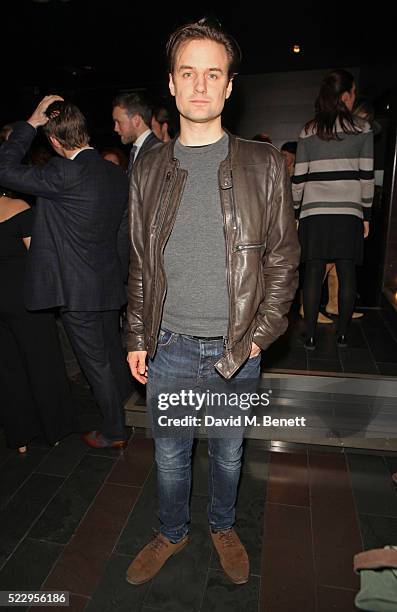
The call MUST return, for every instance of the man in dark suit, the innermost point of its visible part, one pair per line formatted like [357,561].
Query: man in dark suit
[132,117]
[73,262]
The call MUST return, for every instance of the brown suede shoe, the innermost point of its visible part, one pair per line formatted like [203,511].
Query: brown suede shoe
[152,558]
[232,555]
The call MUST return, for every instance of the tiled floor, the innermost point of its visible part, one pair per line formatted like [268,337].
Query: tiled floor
[73,518]
[372,346]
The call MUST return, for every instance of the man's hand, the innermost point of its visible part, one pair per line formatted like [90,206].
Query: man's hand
[137,362]
[255,350]
[38,116]
[366,228]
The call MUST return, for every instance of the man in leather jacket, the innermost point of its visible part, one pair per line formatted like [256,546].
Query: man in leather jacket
[213,271]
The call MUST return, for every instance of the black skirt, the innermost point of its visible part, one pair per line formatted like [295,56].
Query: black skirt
[331,237]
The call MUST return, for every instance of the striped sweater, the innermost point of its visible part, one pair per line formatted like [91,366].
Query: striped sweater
[335,177]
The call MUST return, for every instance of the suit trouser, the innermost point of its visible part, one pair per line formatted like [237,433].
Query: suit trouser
[95,338]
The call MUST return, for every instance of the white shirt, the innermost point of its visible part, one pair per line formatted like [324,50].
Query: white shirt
[79,151]
[140,140]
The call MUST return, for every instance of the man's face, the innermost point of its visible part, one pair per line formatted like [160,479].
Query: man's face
[200,81]
[124,125]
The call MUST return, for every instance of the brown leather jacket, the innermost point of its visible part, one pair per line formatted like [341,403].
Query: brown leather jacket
[261,245]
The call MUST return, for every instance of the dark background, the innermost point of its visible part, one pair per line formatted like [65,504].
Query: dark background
[88,50]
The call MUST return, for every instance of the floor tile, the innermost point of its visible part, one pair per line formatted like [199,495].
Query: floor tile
[334,521]
[17,469]
[200,468]
[81,565]
[389,317]
[249,520]
[338,600]
[24,508]
[373,488]
[63,515]
[287,581]
[198,511]
[134,464]
[387,369]
[221,595]
[357,360]
[62,459]
[378,531]
[324,365]
[391,464]
[255,460]
[382,344]
[77,603]
[142,521]
[326,342]
[29,565]
[114,592]
[288,480]
[357,339]
[288,359]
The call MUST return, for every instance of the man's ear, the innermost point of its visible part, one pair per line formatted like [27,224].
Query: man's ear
[171,85]
[229,88]
[54,142]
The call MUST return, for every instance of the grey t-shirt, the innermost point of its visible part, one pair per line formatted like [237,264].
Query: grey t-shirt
[197,300]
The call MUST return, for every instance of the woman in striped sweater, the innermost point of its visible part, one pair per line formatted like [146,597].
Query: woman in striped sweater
[333,187]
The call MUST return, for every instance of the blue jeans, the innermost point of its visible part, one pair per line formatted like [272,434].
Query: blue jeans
[187,358]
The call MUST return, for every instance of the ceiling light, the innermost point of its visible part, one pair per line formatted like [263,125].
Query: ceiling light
[296,48]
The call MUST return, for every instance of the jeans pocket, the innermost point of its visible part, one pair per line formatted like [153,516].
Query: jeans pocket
[165,337]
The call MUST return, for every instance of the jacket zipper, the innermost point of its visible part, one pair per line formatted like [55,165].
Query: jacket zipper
[234,226]
[160,224]
[243,247]
[233,206]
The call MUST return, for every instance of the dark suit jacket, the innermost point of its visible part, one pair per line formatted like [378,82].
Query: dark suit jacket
[73,260]
[124,236]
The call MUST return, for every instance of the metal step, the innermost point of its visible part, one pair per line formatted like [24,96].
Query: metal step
[344,411]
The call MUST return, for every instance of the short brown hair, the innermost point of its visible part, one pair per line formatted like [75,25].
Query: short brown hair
[202,30]
[67,124]
[134,104]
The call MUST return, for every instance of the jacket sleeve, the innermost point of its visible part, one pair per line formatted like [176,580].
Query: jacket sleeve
[134,336]
[280,265]
[47,181]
